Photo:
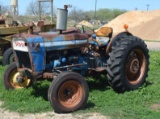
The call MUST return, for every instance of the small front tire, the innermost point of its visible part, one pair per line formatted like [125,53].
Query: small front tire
[10,78]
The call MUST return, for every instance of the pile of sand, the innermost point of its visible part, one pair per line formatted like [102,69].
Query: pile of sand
[148,31]
[141,20]
[86,23]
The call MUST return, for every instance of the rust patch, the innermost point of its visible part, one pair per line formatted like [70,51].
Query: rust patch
[49,36]
[47,75]
[24,35]
[71,36]
[71,30]
[75,36]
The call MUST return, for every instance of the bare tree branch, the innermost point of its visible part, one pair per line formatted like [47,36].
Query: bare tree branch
[76,14]
[32,8]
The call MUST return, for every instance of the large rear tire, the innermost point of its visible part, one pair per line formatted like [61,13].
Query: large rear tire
[68,92]
[128,64]
[10,78]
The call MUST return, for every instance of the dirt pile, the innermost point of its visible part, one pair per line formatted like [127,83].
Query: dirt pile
[134,19]
[86,23]
[148,31]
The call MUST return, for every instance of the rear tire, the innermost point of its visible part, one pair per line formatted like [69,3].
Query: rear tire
[8,57]
[128,63]
[68,92]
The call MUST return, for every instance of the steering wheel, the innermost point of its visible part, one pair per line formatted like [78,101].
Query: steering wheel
[84,28]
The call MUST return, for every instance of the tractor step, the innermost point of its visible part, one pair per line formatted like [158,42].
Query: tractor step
[99,69]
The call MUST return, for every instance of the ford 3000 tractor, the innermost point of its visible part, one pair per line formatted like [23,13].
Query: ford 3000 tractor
[66,56]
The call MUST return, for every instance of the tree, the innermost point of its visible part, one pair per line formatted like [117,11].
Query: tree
[102,14]
[76,14]
[3,8]
[117,12]
[89,15]
[32,8]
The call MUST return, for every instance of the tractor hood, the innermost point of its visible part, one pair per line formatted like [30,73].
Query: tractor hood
[50,41]
[36,46]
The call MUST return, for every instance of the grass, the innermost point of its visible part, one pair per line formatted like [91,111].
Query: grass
[143,103]
[152,40]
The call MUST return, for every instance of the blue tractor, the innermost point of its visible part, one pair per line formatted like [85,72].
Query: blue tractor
[66,56]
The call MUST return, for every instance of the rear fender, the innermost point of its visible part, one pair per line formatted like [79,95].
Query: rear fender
[115,39]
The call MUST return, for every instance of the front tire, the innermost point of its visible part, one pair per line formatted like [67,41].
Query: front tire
[128,63]
[68,92]
[10,78]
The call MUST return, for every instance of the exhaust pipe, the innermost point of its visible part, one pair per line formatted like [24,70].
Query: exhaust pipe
[62,15]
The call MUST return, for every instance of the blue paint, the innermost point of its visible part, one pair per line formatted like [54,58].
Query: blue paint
[94,36]
[82,69]
[57,63]
[64,60]
[61,45]
[92,42]
[37,53]
[59,38]
[53,63]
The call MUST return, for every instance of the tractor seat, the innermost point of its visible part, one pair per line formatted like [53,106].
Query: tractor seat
[104,32]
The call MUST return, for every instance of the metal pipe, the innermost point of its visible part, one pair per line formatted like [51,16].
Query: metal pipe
[147,6]
[51,11]
[62,15]
[95,9]
[39,10]
[69,66]
[0,9]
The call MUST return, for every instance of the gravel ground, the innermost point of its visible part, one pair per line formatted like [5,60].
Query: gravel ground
[153,45]
[5,114]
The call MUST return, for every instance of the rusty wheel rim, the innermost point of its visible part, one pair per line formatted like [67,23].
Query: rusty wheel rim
[70,94]
[135,66]
[18,85]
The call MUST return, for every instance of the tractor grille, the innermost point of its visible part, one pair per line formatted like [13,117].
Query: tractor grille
[23,59]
